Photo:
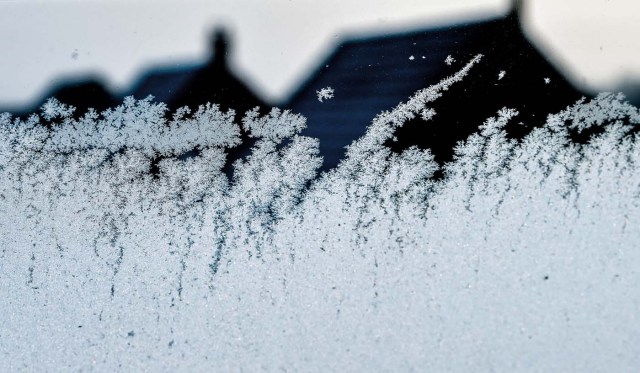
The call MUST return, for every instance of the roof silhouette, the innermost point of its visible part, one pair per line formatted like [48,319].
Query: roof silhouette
[369,75]
[189,84]
[82,92]
[372,74]
[192,85]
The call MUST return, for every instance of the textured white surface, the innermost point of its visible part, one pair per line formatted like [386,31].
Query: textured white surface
[523,258]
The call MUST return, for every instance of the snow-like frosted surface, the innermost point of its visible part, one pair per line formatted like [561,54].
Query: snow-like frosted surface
[523,258]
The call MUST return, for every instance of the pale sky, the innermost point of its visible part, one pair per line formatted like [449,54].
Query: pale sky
[276,43]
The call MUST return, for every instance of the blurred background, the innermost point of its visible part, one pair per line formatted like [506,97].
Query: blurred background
[540,56]
[278,43]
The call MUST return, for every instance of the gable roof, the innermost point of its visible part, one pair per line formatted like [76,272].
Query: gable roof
[190,84]
[196,84]
[372,74]
[163,82]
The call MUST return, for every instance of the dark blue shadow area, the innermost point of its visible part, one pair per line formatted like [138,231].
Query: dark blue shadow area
[373,74]
[370,75]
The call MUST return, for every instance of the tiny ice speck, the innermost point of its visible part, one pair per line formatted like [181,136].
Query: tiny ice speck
[449,60]
[325,94]
[501,74]
[412,58]
[547,80]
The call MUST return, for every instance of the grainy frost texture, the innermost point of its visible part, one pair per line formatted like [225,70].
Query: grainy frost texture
[120,253]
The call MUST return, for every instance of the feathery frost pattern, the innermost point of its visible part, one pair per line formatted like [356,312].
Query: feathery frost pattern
[525,254]
[325,94]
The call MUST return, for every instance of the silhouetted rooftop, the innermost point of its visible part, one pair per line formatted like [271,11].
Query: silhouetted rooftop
[195,84]
[189,84]
[372,74]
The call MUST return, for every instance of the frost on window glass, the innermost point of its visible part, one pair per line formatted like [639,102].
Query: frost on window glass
[117,245]
[449,60]
[325,94]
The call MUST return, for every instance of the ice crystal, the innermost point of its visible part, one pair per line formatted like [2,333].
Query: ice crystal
[449,60]
[521,246]
[325,94]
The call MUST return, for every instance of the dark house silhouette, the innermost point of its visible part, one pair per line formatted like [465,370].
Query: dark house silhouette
[81,92]
[369,75]
[193,85]
[185,85]
[373,74]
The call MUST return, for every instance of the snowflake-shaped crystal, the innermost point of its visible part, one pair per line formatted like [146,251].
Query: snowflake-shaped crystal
[449,60]
[325,94]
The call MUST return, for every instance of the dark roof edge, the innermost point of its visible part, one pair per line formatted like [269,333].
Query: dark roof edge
[363,37]
[64,80]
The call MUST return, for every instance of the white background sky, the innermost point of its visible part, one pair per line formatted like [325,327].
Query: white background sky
[277,42]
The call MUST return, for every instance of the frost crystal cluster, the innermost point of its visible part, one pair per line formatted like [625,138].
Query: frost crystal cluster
[325,94]
[119,253]
[449,60]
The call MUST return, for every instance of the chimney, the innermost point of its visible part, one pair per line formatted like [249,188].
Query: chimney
[517,11]
[220,47]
